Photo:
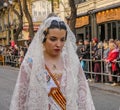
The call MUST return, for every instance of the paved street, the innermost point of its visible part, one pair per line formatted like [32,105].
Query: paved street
[103,99]
[7,81]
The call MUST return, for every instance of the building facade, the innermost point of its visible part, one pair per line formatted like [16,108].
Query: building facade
[9,21]
[98,18]
[95,18]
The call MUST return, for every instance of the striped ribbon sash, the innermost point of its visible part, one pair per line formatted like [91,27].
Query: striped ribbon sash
[58,97]
[55,92]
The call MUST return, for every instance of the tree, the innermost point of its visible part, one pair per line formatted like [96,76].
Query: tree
[20,18]
[73,15]
[52,5]
[28,16]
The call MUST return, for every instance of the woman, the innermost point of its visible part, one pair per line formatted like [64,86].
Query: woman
[112,56]
[52,58]
[97,64]
[105,55]
[21,54]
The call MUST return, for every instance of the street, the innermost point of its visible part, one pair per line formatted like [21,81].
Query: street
[7,83]
[103,100]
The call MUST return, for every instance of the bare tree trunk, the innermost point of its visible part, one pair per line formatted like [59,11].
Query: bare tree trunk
[20,18]
[28,16]
[73,15]
[52,5]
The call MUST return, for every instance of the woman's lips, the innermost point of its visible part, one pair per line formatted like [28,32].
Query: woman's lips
[57,50]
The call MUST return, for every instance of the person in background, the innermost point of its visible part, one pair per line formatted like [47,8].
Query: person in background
[118,59]
[94,48]
[97,57]
[27,43]
[21,55]
[112,56]
[79,51]
[14,56]
[105,55]
[85,56]
[50,76]
[94,45]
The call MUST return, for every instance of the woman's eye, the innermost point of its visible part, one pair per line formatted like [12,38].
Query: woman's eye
[63,39]
[53,39]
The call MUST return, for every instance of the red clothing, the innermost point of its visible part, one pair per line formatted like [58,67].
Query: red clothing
[112,55]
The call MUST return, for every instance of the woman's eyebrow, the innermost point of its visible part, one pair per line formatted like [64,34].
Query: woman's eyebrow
[52,36]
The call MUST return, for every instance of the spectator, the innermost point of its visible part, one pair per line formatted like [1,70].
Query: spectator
[105,55]
[97,61]
[85,56]
[21,55]
[94,49]
[113,55]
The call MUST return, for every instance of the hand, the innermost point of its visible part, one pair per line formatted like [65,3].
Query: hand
[114,60]
[80,58]
[93,59]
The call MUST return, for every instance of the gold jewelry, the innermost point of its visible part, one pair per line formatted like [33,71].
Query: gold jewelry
[54,67]
[56,74]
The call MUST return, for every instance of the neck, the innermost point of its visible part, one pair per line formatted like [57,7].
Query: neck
[53,62]
[51,57]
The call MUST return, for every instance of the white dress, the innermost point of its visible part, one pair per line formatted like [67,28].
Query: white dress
[31,90]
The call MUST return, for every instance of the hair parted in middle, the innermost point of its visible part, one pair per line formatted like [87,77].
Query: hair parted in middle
[55,24]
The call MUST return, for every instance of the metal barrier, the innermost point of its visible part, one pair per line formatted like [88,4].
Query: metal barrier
[2,59]
[11,60]
[102,74]
[14,61]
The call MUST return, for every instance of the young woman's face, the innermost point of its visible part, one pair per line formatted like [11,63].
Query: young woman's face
[55,40]
[111,46]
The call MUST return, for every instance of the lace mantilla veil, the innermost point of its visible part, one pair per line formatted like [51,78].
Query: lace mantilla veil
[31,87]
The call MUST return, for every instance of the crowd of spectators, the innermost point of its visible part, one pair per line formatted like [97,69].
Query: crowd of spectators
[14,54]
[96,58]
[100,58]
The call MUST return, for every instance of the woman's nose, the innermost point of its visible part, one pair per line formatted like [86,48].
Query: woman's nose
[59,43]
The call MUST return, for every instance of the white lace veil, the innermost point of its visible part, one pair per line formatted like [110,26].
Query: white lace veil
[30,91]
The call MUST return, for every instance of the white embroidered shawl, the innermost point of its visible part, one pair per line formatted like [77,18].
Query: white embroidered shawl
[31,87]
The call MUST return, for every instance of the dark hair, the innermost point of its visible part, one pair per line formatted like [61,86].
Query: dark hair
[55,24]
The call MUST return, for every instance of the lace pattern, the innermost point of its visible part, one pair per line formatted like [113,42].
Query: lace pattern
[31,87]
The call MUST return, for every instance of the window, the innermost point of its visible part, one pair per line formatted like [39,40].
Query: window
[109,30]
[114,30]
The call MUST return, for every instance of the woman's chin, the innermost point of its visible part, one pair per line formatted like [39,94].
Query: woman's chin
[56,54]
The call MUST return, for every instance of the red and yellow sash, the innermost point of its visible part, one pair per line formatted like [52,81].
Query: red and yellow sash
[56,93]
